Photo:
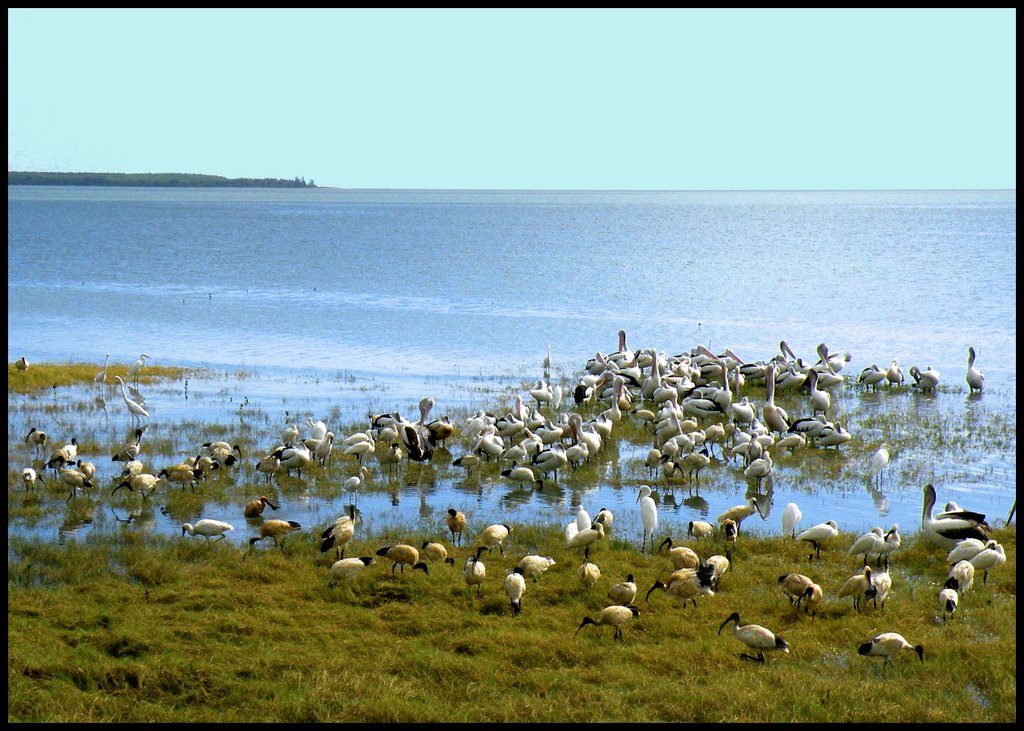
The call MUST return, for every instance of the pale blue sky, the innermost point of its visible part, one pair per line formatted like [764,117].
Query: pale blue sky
[546,99]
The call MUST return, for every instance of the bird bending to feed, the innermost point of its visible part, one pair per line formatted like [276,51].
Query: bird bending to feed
[515,587]
[349,568]
[402,554]
[818,534]
[207,528]
[755,637]
[456,521]
[682,557]
[699,529]
[994,555]
[945,532]
[888,644]
[21,364]
[495,535]
[533,565]
[623,592]
[687,584]
[949,598]
[255,507]
[614,616]
[276,529]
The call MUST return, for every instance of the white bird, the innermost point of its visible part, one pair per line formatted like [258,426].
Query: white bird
[207,528]
[890,543]
[887,645]
[820,400]
[604,517]
[515,587]
[879,460]
[402,555]
[948,598]
[29,477]
[133,406]
[965,550]
[349,568]
[583,520]
[687,584]
[275,529]
[338,534]
[926,380]
[871,376]
[648,515]
[37,439]
[699,529]
[791,519]
[992,557]
[21,364]
[775,417]
[495,535]
[946,532]
[136,368]
[856,586]
[294,457]
[101,377]
[975,378]
[614,616]
[755,637]
[474,572]
[870,542]
[739,513]
[588,572]
[881,584]
[894,374]
[818,534]
[534,565]
[963,572]
[586,538]
[624,592]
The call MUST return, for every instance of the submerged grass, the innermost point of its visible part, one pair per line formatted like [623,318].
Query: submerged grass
[130,626]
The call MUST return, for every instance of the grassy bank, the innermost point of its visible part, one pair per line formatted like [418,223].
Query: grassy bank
[129,629]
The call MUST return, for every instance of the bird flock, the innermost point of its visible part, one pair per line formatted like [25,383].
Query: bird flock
[690,406]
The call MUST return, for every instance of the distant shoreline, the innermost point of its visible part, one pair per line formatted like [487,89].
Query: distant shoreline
[155,180]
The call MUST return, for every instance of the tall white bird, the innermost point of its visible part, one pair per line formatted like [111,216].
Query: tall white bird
[992,557]
[975,378]
[101,377]
[879,460]
[134,407]
[869,543]
[791,519]
[207,528]
[888,644]
[755,637]
[648,515]
[946,532]
[136,368]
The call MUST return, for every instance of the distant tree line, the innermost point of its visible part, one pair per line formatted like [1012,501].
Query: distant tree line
[169,180]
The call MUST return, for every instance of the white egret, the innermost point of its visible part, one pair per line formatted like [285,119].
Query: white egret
[648,515]
[134,407]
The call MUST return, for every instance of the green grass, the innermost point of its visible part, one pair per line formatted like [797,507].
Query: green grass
[131,629]
[42,376]
[131,626]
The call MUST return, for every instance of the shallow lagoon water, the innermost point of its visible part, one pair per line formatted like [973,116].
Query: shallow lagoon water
[339,303]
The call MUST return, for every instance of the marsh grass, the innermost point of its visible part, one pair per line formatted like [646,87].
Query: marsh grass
[158,629]
[129,625]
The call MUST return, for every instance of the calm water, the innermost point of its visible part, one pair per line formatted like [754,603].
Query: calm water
[342,302]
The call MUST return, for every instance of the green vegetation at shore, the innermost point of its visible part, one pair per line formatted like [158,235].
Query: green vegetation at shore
[57,375]
[136,627]
[161,180]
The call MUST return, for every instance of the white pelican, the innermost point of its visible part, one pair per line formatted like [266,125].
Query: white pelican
[755,637]
[820,400]
[888,644]
[946,532]
[134,407]
[818,534]
[614,616]
[871,376]
[894,374]
[294,457]
[775,417]
[542,393]
[833,435]
[975,378]
[926,380]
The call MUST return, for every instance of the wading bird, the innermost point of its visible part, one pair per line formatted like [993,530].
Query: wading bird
[207,528]
[134,408]
[648,515]
[975,378]
[818,534]
[255,508]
